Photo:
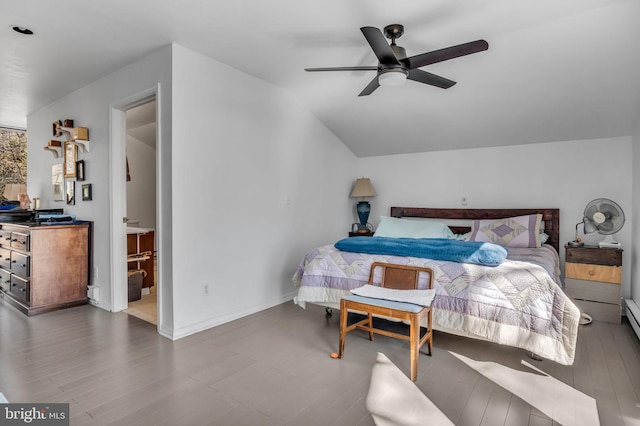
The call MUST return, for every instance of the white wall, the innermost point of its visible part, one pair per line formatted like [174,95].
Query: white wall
[141,190]
[257,180]
[564,175]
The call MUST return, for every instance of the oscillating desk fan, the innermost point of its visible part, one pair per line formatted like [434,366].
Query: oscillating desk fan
[605,217]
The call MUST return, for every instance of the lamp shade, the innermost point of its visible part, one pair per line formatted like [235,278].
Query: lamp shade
[363,188]
[12,190]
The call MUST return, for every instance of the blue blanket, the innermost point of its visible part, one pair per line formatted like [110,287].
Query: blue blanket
[480,253]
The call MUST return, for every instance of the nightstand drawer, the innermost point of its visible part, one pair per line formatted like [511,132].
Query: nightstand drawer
[592,291]
[589,272]
[606,312]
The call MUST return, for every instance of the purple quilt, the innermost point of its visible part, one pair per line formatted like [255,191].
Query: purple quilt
[518,303]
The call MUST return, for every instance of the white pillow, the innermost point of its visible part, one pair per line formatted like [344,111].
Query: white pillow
[394,227]
[393,399]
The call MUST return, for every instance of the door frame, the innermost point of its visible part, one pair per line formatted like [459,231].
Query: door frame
[118,197]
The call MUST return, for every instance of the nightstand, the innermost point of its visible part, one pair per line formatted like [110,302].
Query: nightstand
[361,234]
[593,278]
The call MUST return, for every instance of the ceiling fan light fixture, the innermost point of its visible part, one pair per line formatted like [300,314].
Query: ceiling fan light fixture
[392,78]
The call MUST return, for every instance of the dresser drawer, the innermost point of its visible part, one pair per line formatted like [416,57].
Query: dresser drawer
[5,238]
[20,264]
[5,258]
[20,241]
[5,280]
[593,291]
[589,272]
[20,288]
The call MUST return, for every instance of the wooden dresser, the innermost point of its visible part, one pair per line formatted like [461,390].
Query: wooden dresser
[593,278]
[44,267]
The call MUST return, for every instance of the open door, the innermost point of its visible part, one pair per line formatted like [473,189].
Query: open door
[141,148]
[134,139]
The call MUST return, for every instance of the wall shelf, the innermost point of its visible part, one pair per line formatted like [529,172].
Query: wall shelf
[70,132]
[55,147]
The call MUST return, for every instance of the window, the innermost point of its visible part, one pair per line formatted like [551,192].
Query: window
[13,157]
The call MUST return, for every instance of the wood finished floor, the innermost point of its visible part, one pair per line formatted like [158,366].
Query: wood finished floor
[274,368]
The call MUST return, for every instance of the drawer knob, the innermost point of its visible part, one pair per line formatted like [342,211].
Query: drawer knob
[592,272]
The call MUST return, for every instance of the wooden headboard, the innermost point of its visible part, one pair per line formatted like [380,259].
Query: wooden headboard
[550,217]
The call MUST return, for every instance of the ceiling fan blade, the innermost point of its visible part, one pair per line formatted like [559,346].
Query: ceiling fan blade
[373,85]
[445,54]
[342,69]
[379,44]
[428,78]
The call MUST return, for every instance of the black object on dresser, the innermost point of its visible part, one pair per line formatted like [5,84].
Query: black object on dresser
[593,278]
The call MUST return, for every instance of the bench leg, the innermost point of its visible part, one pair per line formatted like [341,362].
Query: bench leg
[414,342]
[430,331]
[343,327]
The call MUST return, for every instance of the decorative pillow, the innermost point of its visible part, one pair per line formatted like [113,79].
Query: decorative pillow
[543,237]
[394,227]
[393,399]
[520,231]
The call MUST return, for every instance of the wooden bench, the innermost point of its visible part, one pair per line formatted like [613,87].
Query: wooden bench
[399,277]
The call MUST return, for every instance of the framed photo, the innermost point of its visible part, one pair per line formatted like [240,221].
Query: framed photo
[71,192]
[70,158]
[57,182]
[80,170]
[86,192]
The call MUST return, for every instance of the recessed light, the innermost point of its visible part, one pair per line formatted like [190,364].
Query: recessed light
[22,30]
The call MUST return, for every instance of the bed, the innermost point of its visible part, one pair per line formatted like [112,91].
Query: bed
[518,303]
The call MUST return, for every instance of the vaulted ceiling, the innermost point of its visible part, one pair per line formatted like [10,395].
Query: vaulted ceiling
[554,70]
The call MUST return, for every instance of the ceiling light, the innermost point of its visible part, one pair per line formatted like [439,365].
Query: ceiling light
[392,78]
[22,30]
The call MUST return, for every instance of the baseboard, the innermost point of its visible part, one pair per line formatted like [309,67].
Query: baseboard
[633,315]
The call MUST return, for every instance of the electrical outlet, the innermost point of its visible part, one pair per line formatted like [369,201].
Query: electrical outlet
[463,200]
[205,289]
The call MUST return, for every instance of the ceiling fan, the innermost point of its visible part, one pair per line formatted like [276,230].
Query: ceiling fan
[394,68]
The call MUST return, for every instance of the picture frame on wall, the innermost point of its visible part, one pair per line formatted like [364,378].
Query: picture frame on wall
[70,158]
[71,192]
[86,192]
[80,170]
[57,182]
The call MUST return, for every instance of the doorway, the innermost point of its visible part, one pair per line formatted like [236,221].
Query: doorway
[140,160]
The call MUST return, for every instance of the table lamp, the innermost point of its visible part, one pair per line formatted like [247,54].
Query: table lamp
[363,188]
